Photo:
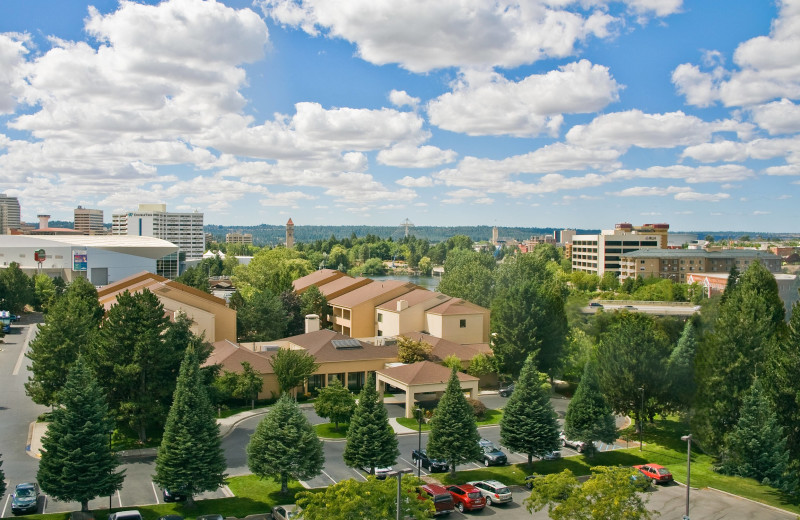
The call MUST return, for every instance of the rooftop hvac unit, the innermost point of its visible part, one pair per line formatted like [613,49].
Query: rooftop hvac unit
[270,348]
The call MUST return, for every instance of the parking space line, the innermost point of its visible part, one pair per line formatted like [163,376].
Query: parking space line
[154,491]
[44,505]
[323,472]
[227,491]
[119,498]
[415,466]
[359,474]
[5,506]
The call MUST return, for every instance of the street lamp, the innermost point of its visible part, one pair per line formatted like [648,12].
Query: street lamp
[110,434]
[641,419]
[399,474]
[419,412]
[688,439]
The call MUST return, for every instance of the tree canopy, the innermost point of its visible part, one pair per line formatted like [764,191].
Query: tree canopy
[292,368]
[371,442]
[335,402]
[589,417]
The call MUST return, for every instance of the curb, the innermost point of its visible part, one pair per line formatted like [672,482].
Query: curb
[232,426]
[30,438]
[793,515]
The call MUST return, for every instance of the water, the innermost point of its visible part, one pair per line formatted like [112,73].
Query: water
[426,282]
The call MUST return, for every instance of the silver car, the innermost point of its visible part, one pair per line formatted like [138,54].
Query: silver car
[493,491]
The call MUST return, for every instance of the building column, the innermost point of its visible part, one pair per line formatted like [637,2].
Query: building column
[409,403]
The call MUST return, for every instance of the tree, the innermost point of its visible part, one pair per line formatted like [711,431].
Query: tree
[44,291]
[733,279]
[77,463]
[71,323]
[248,384]
[293,310]
[260,316]
[750,322]
[16,289]
[335,402]
[589,417]
[482,364]
[529,424]
[285,445]
[453,362]
[631,356]
[410,351]
[2,478]
[371,442]
[292,368]
[608,495]
[425,266]
[312,301]
[350,499]
[454,435]
[680,368]
[756,447]
[272,269]
[468,275]
[190,458]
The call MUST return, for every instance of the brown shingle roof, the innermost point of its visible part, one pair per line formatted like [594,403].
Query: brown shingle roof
[423,373]
[458,306]
[443,348]
[230,356]
[414,297]
[370,292]
[343,285]
[319,344]
[318,278]
[155,283]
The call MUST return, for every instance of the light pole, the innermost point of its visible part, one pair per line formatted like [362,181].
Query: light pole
[688,439]
[110,453]
[399,474]
[641,419]
[418,411]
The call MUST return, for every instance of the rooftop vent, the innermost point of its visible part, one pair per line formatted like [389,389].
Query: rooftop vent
[346,344]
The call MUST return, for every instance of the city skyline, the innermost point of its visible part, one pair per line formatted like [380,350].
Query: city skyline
[554,113]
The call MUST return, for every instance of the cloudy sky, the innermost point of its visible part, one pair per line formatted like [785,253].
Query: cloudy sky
[564,113]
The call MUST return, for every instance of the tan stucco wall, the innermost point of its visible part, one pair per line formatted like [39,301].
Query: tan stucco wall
[449,328]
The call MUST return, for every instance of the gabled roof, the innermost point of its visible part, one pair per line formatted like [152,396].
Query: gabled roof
[457,306]
[157,285]
[230,356]
[371,292]
[413,298]
[320,344]
[423,373]
[443,347]
[318,278]
[342,286]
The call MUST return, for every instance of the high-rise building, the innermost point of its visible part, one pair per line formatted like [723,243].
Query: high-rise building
[9,214]
[600,253]
[239,238]
[289,234]
[89,221]
[185,230]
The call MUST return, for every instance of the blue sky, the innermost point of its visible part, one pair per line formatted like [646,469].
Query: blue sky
[545,113]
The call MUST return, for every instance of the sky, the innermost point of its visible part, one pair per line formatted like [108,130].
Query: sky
[537,113]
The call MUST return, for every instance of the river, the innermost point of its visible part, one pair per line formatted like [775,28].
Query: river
[426,282]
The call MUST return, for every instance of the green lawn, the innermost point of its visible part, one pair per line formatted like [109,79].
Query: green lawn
[327,430]
[490,417]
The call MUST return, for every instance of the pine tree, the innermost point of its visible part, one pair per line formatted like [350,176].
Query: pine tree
[756,447]
[371,442]
[190,458]
[529,424]
[2,478]
[680,368]
[454,435]
[77,463]
[285,445]
[589,417]
[335,402]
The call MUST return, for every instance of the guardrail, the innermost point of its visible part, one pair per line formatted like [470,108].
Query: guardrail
[642,302]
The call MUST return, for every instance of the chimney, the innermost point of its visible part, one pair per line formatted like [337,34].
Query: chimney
[402,305]
[44,221]
[312,323]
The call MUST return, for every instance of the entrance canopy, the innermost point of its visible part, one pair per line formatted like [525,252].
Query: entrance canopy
[422,377]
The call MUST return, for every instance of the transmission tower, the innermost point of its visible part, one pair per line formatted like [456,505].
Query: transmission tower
[407,224]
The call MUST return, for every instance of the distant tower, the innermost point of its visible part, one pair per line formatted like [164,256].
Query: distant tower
[407,224]
[494,235]
[290,234]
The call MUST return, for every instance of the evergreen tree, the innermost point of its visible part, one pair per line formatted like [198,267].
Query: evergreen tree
[454,435]
[680,368]
[292,307]
[371,442]
[261,317]
[312,301]
[335,402]
[756,446]
[529,424]
[292,368]
[248,384]
[71,323]
[190,458]
[733,279]
[750,322]
[589,417]
[16,289]
[468,275]
[77,463]
[285,445]
[2,478]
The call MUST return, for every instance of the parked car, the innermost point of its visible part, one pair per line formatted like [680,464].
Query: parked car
[129,514]
[596,304]
[640,481]
[578,446]
[658,473]
[210,517]
[432,465]
[467,497]
[492,455]
[493,491]
[441,497]
[170,517]
[629,307]
[507,390]
[529,480]
[553,455]
[175,495]
[286,512]
[25,498]
[380,473]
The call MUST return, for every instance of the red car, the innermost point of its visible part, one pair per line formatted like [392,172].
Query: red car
[467,497]
[658,473]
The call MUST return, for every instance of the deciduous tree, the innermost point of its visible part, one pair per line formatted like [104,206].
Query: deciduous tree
[529,424]
[248,384]
[335,402]
[190,458]
[454,434]
[468,275]
[16,289]
[260,316]
[292,368]
[312,301]
[371,442]
[272,269]
[589,417]
[77,463]
[411,351]
[285,445]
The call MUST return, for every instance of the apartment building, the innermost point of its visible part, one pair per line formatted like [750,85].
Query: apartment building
[239,238]
[677,264]
[9,214]
[600,253]
[354,311]
[406,313]
[89,221]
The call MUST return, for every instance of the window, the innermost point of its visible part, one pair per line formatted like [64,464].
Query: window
[462,324]
[380,317]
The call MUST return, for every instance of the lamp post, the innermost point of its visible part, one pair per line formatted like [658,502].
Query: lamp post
[688,439]
[641,419]
[110,453]
[418,411]
[399,474]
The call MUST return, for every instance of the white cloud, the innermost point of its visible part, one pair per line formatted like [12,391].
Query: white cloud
[401,98]
[778,117]
[691,175]
[741,151]
[415,182]
[657,7]
[422,36]
[12,59]
[701,197]
[621,130]
[650,191]
[768,68]
[486,103]
[409,156]
[784,170]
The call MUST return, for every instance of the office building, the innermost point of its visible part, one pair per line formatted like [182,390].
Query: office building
[239,238]
[677,264]
[89,221]
[9,214]
[600,253]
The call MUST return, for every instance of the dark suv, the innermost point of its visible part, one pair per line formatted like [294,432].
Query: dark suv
[442,499]
[492,455]
[432,465]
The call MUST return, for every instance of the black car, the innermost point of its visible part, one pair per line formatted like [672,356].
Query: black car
[170,517]
[210,517]
[25,498]
[175,495]
[492,455]
[507,390]
[432,465]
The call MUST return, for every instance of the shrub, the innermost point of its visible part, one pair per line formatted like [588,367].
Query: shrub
[478,408]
